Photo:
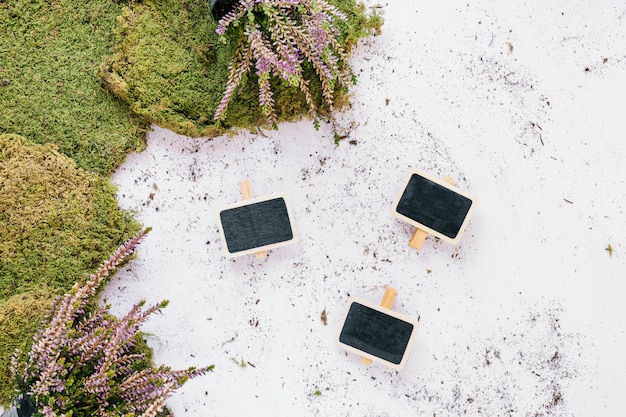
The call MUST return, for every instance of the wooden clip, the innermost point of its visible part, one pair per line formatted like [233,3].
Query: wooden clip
[419,235]
[246,193]
[386,302]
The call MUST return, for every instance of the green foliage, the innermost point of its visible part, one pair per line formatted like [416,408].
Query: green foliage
[170,67]
[50,51]
[360,23]
[57,222]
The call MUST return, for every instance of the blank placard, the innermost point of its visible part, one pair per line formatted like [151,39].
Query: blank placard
[377,333]
[434,206]
[256,225]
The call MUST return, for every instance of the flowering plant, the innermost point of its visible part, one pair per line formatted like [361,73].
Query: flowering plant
[84,362]
[280,37]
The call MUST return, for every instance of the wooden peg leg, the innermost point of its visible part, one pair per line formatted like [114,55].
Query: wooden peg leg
[387,302]
[388,297]
[418,238]
[366,361]
[449,180]
[246,190]
[246,193]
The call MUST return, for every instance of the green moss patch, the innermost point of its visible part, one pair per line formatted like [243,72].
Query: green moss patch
[57,221]
[166,65]
[50,52]
[171,68]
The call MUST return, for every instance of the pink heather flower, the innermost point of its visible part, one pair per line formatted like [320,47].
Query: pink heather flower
[48,411]
[92,349]
[293,31]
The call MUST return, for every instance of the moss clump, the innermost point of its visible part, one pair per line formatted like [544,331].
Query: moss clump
[171,68]
[50,52]
[166,65]
[57,221]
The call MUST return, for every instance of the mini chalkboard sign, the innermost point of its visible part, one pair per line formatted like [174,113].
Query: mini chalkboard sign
[376,332]
[255,225]
[434,206]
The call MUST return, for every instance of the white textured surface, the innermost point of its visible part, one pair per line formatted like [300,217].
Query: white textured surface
[525,317]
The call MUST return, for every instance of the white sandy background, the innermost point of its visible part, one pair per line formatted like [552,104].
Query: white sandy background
[523,104]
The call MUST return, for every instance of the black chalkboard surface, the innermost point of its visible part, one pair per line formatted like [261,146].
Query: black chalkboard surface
[256,224]
[376,333]
[433,206]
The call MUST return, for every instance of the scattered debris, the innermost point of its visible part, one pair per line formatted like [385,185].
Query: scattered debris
[241,363]
[324,318]
[232,339]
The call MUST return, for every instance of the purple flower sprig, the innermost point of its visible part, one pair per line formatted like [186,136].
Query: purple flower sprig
[84,358]
[278,36]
